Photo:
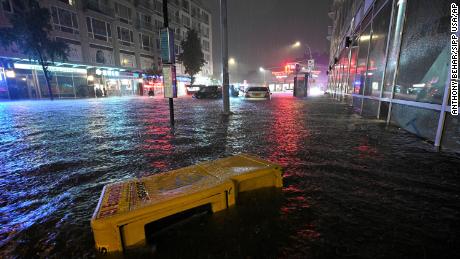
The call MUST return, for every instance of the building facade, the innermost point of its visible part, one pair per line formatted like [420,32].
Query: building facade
[114,47]
[390,59]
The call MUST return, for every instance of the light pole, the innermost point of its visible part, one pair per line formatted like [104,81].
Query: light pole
[297,44]
[261,69]
[225,61]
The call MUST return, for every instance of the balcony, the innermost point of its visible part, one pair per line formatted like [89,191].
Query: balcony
[96,6]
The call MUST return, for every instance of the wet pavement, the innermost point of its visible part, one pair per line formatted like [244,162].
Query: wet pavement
[352,188]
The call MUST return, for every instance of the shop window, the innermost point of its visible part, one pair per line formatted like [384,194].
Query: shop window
[361,68]
[353,63]
[64,20]
[393,48]
[419,121]
[424,58]
[451,134]
[98,29]
[344,70]
[127,60]
[377,52]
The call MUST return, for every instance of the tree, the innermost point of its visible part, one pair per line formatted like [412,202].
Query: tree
[192,55]
[30,33]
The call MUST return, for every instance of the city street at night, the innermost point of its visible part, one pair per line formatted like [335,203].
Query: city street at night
[352,188]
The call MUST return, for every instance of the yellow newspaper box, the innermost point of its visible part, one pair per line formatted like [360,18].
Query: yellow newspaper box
[125,208]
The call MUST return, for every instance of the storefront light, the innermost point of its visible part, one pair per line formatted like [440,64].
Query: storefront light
[50,68]
[98,72]
[90,78]
[10,74]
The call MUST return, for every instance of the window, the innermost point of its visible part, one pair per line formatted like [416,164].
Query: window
[206,45]
[125,36]
[158,44]
[176,49]
[361,68]
[195,12]
[159,7]
[205,18]
[144,41]
[7,6]
[123,13]
[422,78]
[145,21]
[377,52]
[64,20]
[186,6]
[158,25]
[186,20]
[98,29]
[206,32]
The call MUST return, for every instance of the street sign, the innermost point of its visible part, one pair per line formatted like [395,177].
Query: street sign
[167,46]
[169,81]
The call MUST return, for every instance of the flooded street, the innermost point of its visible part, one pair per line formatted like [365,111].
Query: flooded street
[351,188]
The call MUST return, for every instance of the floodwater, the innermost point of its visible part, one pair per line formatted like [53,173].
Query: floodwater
[352,188]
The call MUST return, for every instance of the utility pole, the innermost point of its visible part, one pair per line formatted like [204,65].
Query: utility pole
[166,25]
[224,39]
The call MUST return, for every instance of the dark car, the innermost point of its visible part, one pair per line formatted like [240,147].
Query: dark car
[209,92]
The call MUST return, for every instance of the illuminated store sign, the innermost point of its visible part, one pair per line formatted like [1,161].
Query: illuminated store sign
[100,72]
[52,69]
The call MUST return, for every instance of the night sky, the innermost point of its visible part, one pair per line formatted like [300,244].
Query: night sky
[261,31]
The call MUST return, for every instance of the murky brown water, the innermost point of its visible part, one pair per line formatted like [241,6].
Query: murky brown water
[352,188]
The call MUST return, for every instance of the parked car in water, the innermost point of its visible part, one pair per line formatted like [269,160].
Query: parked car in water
[209,92]
[257,92]
[192,89]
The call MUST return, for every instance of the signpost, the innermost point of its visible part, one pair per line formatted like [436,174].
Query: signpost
[167,46]
[169,81]
[168,59]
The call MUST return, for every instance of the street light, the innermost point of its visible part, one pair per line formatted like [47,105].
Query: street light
[297,44]
[261,69]
[231,61]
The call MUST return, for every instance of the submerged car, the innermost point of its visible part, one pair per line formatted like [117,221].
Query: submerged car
[259,92]
[209,92]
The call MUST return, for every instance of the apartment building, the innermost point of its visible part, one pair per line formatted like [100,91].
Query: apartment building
[114,48]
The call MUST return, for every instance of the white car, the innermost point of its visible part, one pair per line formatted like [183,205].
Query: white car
[259,92]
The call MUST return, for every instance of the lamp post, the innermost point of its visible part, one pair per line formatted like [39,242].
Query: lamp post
[297,44]
[261,69]
[225,61]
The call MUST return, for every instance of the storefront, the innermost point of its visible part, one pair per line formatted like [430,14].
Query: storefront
[112,82]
